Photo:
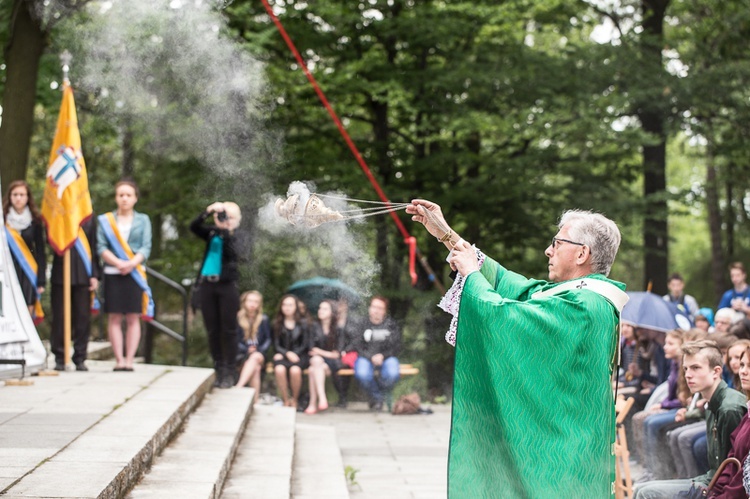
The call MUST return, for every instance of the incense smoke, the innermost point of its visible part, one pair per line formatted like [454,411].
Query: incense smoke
[332,248]
[165,67]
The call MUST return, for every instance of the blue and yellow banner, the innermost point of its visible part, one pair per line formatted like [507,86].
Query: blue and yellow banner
[67,203]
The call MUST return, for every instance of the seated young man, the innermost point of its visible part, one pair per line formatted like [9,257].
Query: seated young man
[702,364]
[730,484]
[379,342]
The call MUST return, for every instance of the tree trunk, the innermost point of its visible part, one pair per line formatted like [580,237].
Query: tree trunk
[655,232]
[655,236]
[729,216]
[714,226]
[26,44]
[128,152]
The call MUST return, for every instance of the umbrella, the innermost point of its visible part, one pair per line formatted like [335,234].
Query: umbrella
[650,311]
[313,291]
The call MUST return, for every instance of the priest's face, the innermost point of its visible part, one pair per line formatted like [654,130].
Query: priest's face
[565,256]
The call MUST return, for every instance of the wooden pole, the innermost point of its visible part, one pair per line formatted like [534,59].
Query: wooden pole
[66,306]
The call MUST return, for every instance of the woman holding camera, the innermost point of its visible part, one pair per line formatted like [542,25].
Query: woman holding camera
[219,296]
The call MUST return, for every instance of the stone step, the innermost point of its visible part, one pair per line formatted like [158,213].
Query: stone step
[318,469]
[92,434]
[196,463]
[262,468]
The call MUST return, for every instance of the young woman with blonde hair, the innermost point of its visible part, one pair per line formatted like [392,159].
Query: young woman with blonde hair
[255,338]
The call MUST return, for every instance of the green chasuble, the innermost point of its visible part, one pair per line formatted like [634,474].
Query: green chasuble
[533,411]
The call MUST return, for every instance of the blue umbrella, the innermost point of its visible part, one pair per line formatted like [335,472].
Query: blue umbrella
[650,311]
[313,291]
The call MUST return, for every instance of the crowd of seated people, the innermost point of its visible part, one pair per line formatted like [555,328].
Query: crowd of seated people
[298,343]
[690,398]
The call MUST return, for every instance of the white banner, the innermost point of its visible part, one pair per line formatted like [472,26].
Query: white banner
[18,336]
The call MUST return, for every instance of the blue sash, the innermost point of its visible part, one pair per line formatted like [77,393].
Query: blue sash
[83,248]
[22,254]
[121,249]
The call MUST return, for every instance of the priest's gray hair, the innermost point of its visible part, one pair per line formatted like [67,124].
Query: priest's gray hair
[597,232]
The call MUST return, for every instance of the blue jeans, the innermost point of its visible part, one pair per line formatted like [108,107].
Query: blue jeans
[700,452]
[390,373]
[651,428]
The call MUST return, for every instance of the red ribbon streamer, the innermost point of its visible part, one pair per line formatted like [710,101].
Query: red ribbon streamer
[408,238]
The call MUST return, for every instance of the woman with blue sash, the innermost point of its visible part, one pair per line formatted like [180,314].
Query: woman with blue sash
[26,239]
[124,243]
[219,294]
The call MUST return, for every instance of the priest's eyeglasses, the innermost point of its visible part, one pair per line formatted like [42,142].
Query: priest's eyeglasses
[555,240]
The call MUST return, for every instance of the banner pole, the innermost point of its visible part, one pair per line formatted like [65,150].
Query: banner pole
[66,306]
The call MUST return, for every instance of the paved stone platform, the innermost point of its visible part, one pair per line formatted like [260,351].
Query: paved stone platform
[391,456]
[92,434]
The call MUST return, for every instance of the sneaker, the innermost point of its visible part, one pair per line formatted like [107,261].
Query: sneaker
[81,366]
[341,404]
[59,366]
[377,406]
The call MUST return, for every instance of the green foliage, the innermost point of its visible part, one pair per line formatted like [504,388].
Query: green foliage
[505,114]
[350,473]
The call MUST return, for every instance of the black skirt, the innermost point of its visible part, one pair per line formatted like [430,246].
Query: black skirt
[122,295]
[304,362]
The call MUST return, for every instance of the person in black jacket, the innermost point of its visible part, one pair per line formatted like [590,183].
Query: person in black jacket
[292,342]
[219,295]
[22,216]
[379,343]
[85,271]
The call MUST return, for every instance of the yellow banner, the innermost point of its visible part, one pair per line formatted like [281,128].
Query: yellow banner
[66,202]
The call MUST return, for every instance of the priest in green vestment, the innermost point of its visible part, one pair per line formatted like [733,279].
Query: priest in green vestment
[533,409]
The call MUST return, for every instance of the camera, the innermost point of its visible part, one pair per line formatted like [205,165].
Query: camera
[221,216]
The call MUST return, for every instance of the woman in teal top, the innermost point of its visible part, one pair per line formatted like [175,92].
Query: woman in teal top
[219,295]
[123,297]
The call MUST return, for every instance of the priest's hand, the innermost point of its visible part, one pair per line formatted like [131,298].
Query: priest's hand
[433,221]
[464,259]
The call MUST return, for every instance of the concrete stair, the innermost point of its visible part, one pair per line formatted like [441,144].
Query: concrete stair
[103,429]
[263,465]
[159,432]
[318,469]
[196,463]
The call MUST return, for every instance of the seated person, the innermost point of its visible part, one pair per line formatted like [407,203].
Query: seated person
[661,415]
[379,342]
[729,484]
[702,364]
[629,348]
[325,355]
[734,357]
[725,318]
[254,339]
[292,343]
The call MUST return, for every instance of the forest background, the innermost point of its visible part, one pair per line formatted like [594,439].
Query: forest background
[505,113]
